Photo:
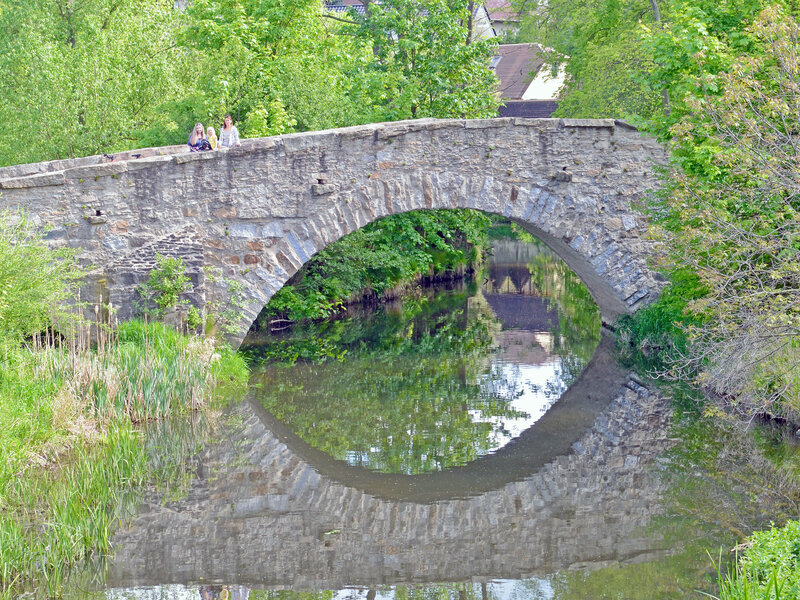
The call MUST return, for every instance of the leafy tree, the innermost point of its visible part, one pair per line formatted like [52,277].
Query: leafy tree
[258,53]
[83,77]
[424,62]
[732,217]
[35,282]
[600,44]
[641,61]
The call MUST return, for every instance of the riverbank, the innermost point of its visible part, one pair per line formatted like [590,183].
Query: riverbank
[381,260]
[70,421]
[655,341]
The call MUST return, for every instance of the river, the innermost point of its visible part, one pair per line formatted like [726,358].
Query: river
[474,440]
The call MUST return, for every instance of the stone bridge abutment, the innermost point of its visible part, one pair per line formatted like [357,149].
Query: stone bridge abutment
[259,212]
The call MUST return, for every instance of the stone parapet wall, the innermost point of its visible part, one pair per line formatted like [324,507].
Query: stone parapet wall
[259,212]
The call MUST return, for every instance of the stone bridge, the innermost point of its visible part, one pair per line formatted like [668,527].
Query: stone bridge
[259,212]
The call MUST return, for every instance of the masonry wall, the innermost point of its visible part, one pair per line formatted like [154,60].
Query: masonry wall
[259,212]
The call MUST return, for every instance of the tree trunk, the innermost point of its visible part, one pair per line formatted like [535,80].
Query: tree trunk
[470,24]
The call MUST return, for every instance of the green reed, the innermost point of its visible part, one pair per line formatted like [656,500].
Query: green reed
[73,456]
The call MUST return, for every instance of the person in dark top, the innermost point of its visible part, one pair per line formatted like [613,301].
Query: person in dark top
[197,139]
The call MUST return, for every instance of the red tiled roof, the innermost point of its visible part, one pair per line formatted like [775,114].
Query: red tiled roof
[516,68]
[501,10]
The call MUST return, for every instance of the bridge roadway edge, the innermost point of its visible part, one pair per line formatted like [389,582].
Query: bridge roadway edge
[259,212]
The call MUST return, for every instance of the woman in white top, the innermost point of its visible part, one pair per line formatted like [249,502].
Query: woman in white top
[229,135]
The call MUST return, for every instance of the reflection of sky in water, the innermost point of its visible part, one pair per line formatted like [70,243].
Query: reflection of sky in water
[524,373]
[528,589]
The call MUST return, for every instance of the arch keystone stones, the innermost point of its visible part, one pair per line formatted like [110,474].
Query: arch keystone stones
[259,212]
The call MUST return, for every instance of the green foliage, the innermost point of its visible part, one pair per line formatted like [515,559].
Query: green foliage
[623,62]
[72,457]
[36,283]
[165,284]
[731,216]
[224,304]
[84,78]
[424,62]
[600,45]
[270,64]
[656,335]
[376,258]
[769,569]
[261,122]
[102,77]
[49,520]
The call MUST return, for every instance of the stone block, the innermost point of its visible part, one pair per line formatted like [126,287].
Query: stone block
[99,170]
[599,123]
[323,189]
[225,212]
[197,156]
[148,162]
[42,180]
[628,222]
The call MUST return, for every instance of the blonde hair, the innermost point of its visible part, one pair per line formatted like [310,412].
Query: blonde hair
[193,137]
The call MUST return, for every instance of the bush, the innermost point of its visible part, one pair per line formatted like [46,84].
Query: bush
[36,283]
[769,569]
[655,336]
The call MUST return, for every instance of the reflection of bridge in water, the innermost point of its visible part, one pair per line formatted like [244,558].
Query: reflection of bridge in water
[269,511]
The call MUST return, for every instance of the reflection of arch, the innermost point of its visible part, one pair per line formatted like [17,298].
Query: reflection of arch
[551,436]
[267,513]
[262,210]
[523,312]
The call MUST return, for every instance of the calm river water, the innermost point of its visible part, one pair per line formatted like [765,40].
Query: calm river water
[473,442]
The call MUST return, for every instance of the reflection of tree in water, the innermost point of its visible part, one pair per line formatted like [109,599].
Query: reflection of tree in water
[411,396]
[442,591]
[417,392]
[578,328]
[398,413]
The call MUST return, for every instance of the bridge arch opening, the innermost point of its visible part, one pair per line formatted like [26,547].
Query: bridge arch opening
[369,256]
[545,336]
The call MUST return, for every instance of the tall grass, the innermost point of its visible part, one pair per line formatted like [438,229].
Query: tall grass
[71,454]
[145,371]
[769,569]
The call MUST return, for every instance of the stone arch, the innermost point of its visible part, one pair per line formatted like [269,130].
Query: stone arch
[261,211]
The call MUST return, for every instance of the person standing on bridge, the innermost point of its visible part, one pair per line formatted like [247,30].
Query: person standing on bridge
[229,135]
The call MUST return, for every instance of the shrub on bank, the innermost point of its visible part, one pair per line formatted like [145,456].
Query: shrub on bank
[656,336]
[769,569]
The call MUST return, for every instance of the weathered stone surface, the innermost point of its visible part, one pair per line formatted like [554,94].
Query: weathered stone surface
[570,182]
[267,510]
